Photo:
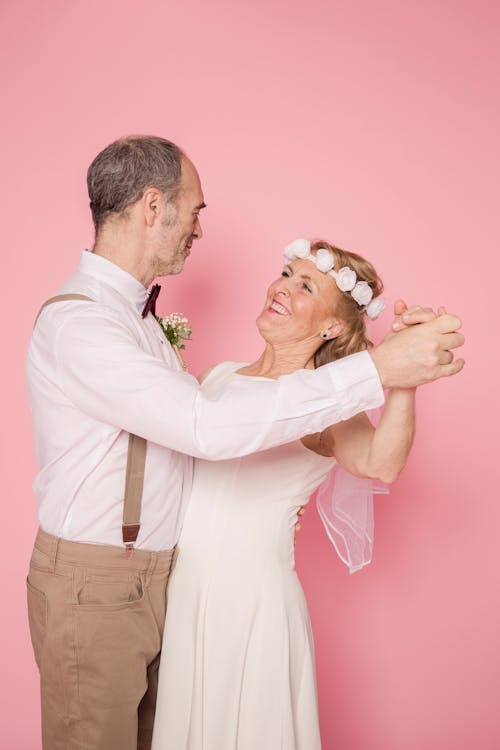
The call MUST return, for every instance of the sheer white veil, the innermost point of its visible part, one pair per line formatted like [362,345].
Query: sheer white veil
[345,505]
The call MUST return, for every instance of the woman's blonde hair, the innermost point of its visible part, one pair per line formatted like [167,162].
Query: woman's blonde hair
[354,338]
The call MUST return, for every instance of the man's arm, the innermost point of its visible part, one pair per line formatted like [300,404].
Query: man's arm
[103,371]
[110,378]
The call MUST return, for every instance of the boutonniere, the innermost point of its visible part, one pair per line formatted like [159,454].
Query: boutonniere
[177,330]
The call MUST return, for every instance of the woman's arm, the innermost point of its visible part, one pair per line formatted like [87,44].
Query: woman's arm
[378,453]
[366,451]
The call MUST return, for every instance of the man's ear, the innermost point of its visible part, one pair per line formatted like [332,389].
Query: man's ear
[151,205]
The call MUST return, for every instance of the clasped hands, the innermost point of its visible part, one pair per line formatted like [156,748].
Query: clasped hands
[405,316]
[419,347]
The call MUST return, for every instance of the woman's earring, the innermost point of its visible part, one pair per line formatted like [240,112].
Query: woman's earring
[324,336]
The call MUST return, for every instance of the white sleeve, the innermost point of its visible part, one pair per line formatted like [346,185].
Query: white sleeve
[103,371]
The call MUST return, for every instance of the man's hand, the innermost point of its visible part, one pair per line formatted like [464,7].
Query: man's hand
[419,353]
[298,526]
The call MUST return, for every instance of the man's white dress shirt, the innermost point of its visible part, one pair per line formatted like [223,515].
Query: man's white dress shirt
[98,370]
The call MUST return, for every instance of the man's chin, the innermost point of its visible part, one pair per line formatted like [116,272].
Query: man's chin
[178,267]
[173,268]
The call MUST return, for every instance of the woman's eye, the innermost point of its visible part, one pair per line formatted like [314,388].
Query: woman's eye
[305,286]
[285,273]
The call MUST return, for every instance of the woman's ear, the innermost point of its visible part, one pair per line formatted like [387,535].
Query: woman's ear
[335,328]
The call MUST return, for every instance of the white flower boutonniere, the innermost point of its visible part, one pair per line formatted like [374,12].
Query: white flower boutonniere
[177,330]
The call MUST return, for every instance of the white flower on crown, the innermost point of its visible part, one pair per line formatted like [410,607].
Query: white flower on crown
[346,279]
[324,260]
[362,293]
[298,249]
[375,308]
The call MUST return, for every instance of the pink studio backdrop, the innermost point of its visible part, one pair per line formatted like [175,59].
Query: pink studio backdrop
[373,124]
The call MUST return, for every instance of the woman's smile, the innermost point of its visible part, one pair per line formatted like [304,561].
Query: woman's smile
[276,307]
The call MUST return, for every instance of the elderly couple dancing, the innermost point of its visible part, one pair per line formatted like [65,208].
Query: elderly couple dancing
[124,508]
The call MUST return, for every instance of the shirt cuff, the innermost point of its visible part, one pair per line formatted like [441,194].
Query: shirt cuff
[357,378]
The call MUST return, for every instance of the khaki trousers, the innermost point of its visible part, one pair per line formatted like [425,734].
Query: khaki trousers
[96,621]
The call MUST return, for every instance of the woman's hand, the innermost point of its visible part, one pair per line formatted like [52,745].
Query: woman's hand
[405,316]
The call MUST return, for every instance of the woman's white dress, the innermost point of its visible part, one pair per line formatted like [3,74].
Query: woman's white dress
[237,669]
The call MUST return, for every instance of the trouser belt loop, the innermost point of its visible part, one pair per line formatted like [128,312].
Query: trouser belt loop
[54,548]
[153,559]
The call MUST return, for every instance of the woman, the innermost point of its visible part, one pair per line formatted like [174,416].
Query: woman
[237,670]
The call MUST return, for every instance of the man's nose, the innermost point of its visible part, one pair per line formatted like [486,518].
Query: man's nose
[198,231]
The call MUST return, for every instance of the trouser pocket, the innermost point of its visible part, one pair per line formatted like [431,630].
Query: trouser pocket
[108,590]
[37,616]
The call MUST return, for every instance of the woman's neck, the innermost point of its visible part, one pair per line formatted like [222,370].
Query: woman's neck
[277,361]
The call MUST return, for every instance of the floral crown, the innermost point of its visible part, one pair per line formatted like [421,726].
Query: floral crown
[345,277]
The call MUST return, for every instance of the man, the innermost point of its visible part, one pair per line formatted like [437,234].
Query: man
[103,380]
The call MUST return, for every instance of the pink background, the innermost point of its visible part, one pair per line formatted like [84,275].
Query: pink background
[372,124]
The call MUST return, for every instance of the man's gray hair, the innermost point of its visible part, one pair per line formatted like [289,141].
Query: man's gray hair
[120,174]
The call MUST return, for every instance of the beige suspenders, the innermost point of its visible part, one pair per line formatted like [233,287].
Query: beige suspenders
[60,298]
[136,460]
[134,481]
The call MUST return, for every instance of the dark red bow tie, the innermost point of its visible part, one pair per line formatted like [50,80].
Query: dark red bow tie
[150,305]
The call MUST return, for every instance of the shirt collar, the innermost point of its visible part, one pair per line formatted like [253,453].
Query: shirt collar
[109,273]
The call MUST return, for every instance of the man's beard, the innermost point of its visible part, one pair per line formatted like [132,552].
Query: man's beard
[176,264]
